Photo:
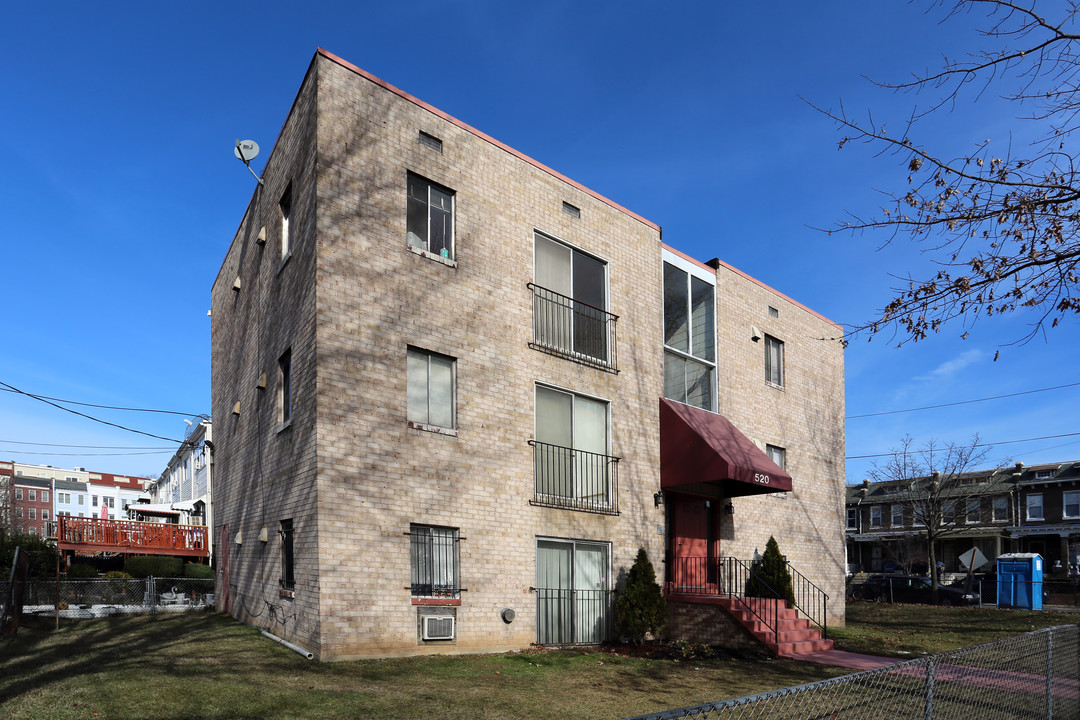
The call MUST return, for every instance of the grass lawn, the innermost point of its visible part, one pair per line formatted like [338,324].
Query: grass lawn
[209,666]
[906,631]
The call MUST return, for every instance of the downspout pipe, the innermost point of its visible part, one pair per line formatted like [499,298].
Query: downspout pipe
[295,648]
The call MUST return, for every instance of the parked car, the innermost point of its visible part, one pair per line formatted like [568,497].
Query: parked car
[911,589]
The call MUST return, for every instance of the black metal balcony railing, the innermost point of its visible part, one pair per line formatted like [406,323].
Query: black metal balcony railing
[572,617]
[573,329]
[575,479]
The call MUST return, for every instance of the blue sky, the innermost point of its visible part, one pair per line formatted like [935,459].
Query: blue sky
[117,122]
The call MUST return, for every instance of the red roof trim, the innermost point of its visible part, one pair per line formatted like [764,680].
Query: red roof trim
[468,128]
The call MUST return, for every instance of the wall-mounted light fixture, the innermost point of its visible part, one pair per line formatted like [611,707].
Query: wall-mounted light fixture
[658,498]
[729,509]
[239,537]
[264,535]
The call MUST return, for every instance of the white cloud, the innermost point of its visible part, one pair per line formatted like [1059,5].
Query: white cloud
[951,367]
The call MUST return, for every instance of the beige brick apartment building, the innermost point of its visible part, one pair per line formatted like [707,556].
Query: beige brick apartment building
[438,381]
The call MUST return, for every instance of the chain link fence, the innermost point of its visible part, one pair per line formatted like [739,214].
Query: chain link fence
[102,597]
[1033,676]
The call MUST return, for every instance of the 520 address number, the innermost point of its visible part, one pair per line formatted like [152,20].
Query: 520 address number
[763,479]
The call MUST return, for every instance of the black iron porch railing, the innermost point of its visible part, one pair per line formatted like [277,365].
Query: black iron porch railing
[575,479]
[728,576]
[572,617]
[572,329]
[810,600]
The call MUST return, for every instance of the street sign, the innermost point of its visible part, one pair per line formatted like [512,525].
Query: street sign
[973,559]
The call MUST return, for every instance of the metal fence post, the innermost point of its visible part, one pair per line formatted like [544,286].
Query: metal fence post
[150,585]
[1050,674]
[928,712]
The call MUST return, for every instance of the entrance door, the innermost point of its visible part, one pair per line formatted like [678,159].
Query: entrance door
[692,549]
[572,592]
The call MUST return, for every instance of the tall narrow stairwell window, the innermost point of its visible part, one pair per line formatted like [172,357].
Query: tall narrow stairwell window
[689,334]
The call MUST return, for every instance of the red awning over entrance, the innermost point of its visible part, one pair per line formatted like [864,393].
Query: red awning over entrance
[704,453]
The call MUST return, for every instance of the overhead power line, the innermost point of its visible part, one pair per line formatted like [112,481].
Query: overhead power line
[88,417]
[978,445]
[962,402]
[104,407]
[91,454]
[90,447]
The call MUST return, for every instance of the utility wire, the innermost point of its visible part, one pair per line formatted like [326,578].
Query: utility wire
[962,402]
[88,417]
[91,447]
[978,445]
[104,407]
[92,454]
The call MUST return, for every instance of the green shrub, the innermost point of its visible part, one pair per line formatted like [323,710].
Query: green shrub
[114,574]
[79,570]
[641,607]
[41,554]
[772,571]
[197,570]
[141,566]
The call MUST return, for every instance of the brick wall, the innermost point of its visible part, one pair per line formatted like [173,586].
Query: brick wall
[349,471]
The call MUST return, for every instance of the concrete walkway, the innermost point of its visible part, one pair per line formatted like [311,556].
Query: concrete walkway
[839,658]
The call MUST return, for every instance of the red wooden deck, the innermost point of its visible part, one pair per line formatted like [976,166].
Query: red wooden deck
[130,537]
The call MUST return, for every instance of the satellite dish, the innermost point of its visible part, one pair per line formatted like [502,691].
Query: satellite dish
[246,150]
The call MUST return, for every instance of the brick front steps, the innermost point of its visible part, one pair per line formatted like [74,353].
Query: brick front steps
[793,637]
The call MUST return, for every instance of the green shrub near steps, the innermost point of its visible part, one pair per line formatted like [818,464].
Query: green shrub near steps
[141,566]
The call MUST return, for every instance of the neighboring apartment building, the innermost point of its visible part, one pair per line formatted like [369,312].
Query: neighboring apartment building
[1026,509]
[78,492]
[454,392]
[7,496]
[182,494]
[33,506]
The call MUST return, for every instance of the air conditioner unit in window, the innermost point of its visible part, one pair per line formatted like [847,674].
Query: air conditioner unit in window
[438,627]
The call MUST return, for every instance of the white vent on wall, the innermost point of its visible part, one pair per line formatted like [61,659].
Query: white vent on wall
[438,627]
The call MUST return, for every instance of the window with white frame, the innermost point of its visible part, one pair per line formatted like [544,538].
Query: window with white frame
[1001,509]
[897,519]
[32,514]
[431,380]
[434,562]
[18,493]
[570,302]
[875,516]
[571,459]
[778,455]
[33,495]
[82,500]
[853,518]
[1035,507]
[1071,504]
[285,394]
[93,501]
[774,361]
[44,514]
[948,512]
[18,511]
[974,511]
[44,496]
[689,334]
[109,502]
[430,217]
[285,209]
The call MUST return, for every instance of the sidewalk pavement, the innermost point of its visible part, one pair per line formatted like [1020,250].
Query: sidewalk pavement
[839,658]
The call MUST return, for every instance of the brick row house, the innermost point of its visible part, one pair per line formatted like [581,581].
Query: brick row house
[454,392]
[1019,509]
[41,492]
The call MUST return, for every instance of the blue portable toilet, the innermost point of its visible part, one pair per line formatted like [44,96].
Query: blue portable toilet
[1020,581]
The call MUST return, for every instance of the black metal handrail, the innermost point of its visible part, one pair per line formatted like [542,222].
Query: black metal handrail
[575,479]
[739,575]
[572,329]
[810,600]
[572,617]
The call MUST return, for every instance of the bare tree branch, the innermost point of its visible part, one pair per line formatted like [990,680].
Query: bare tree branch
[1003,229]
